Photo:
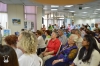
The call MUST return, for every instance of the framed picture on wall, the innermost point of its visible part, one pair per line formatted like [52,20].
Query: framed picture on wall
[16,21]
[6,32]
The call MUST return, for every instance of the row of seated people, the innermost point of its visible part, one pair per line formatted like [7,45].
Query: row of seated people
[88,55]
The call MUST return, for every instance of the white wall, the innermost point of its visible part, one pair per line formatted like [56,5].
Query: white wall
[17,12]
[84,21]
[39,18]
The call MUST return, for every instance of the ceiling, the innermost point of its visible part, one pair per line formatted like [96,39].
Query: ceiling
[62,2]
[87,10]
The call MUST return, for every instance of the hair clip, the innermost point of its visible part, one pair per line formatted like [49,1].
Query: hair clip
[6,59]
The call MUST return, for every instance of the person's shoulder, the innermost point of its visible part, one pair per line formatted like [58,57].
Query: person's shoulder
[95,53]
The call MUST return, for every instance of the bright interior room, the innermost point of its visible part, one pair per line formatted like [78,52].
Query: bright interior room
[49,32]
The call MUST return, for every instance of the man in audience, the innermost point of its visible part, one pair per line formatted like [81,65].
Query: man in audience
[62,37]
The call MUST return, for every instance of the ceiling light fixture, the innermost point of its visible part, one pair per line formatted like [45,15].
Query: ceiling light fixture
[95,13]
[54,9]
[86,7]
[54,6]
[68,5]
[84,12]
[71,11]
[97,9]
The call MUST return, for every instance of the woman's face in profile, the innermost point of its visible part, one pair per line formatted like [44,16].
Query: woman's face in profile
[19,38]
[53,35]
[85,42]
[70,40]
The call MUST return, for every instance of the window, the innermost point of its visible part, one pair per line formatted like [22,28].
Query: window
[30,15]
[3,7]
[3,16]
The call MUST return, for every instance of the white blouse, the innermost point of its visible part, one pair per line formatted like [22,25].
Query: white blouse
[41,42]
[94,60]
[29,60]
[18,52]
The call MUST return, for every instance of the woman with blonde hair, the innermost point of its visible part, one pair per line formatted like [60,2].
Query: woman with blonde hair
[28,44]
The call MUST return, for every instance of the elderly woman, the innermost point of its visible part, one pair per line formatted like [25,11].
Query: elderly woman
[28,44]
[80,39]
[11,40]
[89,54]
[52,47]
[66,55]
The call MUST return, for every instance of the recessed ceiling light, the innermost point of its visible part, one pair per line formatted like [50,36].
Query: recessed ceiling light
[83,15]
[54,6]
[71,11]
[86,7]
[95,13]
[97,9]
[54,9]
[84,12]
[68,5]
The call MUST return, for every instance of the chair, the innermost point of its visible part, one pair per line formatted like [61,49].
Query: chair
[59,49]
[41,61]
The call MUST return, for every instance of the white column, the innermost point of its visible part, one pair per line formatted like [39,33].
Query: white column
[39,18]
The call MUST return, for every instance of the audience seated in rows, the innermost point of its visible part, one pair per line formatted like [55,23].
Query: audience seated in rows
[67,54]
[52,47]
[89,54]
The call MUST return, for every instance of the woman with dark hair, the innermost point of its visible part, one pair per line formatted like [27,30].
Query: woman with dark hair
[48,37]
[89,54]
[8,56]
[41,42]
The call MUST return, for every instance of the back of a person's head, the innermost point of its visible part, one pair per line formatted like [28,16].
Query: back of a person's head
[48,32]
[22,29]
[8,56]
[39,32]
[28,42]
[11,40]
[74,37]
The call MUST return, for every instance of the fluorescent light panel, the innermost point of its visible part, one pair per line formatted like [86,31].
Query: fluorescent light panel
[84,12]
[68,5]
[71,11]
[54,6]
[95,13]
[54,9]
[97,9]
[86,7]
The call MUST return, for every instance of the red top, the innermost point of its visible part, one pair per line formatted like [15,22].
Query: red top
[53,45]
